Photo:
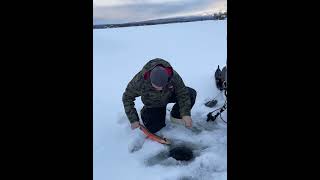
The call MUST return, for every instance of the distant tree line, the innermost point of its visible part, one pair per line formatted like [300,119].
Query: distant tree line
[220,16]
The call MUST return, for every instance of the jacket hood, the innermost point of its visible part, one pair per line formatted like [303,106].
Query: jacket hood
[153,63]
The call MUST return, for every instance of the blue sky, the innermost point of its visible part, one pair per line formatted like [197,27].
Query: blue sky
[120,11]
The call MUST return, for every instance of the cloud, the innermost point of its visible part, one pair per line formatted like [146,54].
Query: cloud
[110,11]
[131,2]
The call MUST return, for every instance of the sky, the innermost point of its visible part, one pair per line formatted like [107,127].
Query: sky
[121,11]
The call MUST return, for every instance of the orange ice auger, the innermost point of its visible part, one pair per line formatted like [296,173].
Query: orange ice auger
[153,136]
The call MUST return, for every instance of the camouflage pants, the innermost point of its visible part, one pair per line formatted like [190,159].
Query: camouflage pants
[154,118]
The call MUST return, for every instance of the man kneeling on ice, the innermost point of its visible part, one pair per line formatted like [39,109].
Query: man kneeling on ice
[158,84]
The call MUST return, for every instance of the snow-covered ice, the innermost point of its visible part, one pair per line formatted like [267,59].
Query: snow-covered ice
[194,50]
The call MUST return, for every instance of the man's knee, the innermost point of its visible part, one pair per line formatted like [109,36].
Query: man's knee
[192,94]
[153,118]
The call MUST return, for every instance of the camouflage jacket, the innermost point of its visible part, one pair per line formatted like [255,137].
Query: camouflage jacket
[140,85]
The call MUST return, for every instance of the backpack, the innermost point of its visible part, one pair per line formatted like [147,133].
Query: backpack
[221,78]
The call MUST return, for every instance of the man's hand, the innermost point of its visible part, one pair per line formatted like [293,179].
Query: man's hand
[135,125]
[188,121]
